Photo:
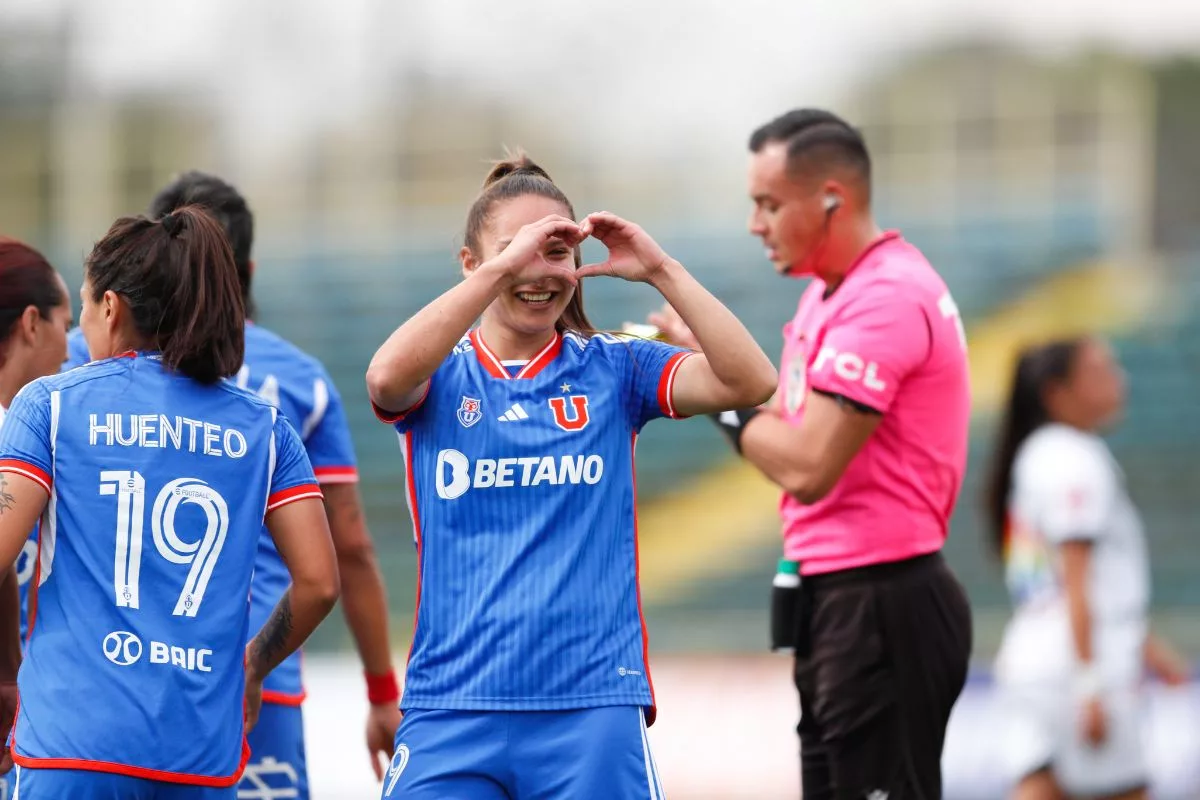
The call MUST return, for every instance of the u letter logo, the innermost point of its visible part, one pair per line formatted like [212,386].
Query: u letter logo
[576,419]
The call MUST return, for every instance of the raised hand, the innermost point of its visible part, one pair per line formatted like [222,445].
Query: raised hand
[531,255]
[632,253]
[673,328]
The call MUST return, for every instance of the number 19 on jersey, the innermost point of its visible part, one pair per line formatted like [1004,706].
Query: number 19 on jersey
[201,554]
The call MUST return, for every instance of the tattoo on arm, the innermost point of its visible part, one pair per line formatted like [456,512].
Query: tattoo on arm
[7,501]
[274,635]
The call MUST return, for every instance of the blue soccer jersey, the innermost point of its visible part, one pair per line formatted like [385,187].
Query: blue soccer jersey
[521,488]
[158,490]
[297,384]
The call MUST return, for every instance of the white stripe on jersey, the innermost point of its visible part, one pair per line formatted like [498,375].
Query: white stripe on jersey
[48,536]
[651,771]
[270,463]
[320,405]
[409,484]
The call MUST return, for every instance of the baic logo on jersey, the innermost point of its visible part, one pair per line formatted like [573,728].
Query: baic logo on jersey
[456,474]
[125,649]
[468,411]
[570,412]
[122,648]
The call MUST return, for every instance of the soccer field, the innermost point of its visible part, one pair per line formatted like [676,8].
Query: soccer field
[724,732]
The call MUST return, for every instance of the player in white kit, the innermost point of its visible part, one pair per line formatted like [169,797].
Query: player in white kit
[1071,663]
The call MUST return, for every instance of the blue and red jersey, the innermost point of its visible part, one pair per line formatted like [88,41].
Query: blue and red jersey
[299,386]
[520,480]
[158,491]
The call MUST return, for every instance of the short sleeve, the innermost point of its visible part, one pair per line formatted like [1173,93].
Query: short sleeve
[1075,488]
[326,435]
[292,478]
[77,350]
[870,346]
[410,418]
[648,369]
[25,436]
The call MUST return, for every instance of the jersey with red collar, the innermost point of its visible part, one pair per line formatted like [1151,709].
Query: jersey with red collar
[298,385]
[158,489]
[522,493]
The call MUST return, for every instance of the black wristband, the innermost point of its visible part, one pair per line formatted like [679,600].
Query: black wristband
[733,424]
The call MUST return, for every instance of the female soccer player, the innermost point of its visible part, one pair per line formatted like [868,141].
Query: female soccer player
[1075,563]
[528,672]
[35,314]
[152,477]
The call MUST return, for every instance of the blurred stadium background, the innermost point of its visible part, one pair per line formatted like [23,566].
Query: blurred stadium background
[1045,155]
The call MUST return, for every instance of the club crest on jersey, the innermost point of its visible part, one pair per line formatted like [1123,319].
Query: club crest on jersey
[468,411]
[570,412]
[795,383]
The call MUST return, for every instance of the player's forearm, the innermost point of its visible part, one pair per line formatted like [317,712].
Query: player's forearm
[364,602]
[10,626]
[773,446]
[414,351]
[296,616]
[735,358]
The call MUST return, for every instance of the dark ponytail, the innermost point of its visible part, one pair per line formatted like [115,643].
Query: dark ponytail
[178,277]
[1038,368]
[26,279]
[517,176]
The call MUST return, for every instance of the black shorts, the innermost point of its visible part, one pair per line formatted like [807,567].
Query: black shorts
[882,655]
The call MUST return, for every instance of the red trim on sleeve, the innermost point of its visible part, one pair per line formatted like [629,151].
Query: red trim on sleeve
[392,417]
[31,471]
[285,496]
[336,474]
[283,698]
[666,384]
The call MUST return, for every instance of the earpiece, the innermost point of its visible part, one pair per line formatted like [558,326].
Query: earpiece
[832,202]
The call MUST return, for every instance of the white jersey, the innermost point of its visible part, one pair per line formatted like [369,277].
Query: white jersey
[1066,486]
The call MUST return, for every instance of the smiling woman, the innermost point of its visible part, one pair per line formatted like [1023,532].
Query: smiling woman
[519,438]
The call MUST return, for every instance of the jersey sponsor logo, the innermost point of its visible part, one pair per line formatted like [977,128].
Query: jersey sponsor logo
[850,367]
[396,768]
[456,474]
[468,411]
[125,649]
[122,648]
[160,431]
[573,419]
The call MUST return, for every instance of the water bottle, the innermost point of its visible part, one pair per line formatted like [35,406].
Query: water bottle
[785,604]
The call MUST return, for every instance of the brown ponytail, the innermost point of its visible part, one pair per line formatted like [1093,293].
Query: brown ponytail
[178,277]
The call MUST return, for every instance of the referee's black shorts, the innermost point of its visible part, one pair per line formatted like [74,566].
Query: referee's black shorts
[881,658]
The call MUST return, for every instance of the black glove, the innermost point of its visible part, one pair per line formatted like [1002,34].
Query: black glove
[733,423]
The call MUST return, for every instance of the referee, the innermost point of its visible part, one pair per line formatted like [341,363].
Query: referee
[867,437]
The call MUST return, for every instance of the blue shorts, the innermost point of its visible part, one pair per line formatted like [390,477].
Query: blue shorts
[59,784]
[586,754]
[277,766]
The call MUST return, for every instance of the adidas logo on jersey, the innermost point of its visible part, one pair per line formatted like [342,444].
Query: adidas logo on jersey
[514,414]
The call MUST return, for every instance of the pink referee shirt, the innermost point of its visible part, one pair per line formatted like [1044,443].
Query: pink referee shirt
[889,337]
